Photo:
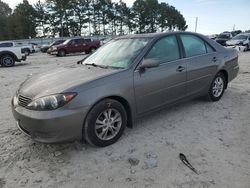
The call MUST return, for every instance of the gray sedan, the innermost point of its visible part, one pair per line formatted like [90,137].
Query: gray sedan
[125,79]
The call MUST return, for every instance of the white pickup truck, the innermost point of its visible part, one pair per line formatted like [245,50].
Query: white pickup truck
[28,48]
[10,55]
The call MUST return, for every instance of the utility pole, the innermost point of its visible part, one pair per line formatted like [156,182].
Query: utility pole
[234,28]
[196,22]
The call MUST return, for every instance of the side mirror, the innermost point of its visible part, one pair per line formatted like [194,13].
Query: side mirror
[148,63]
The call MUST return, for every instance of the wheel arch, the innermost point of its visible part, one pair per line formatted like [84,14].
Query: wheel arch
[8,53]
[62,49]
[125,104]
[225,73]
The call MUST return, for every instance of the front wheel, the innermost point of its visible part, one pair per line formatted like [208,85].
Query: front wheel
[89,51]
[105,123]
[61,53]
[27,52]
[247,48]
[217,87]
[7,61]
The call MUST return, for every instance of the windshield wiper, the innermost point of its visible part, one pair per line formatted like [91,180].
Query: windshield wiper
[115,67]
[95,65]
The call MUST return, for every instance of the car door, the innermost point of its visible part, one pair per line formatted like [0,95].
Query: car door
[201,61]
[84,45]
[73,46]
[70,47]
[78,45]
[158,86]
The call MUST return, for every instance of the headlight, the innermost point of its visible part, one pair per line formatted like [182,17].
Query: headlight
[51,102]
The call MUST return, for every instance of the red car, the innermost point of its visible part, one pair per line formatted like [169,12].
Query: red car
[74,46]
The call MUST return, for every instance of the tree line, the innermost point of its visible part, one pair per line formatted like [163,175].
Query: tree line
[87,17]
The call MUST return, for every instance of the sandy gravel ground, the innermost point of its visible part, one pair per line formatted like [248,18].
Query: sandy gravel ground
[215,137]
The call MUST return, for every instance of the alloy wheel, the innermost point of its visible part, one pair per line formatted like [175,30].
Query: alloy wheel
[8,61]
[108,124]
[218,87]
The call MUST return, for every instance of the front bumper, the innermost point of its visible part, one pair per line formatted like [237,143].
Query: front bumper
[52,52]
[24,57]
[61,125]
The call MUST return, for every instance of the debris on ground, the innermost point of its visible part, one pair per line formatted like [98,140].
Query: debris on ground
[186,162]
[133,161]
[57,153]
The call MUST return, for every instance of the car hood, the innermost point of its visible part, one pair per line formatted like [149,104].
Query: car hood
[61,80]
[234,42]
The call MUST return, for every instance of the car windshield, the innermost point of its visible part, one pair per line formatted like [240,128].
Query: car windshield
[223,36]
[56,43]
[240,37]
[66,41]
[117,53]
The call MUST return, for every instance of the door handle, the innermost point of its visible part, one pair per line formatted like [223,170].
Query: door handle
[180,69]
[214,59]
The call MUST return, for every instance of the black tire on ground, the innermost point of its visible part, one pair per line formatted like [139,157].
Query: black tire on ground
[7,61]
[247,47]
[105,123]
[27,52]
[217,87]
[61,53]
[89,51]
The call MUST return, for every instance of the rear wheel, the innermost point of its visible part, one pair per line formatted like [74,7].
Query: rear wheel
[105,123]
[7,61]
[217,87]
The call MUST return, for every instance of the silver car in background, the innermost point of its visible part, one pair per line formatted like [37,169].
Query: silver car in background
[242,39]
[127,78]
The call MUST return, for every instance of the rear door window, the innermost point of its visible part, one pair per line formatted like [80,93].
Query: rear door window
[193,45]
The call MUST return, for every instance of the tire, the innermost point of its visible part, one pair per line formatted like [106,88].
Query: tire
[247,48]
[7,61]
[217,87]
[27,52]
[61,53]
[101,129]
[89,51]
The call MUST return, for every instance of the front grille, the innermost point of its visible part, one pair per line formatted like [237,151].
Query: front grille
[23,101]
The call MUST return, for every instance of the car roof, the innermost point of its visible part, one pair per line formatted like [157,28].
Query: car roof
[153,35]
[75,38]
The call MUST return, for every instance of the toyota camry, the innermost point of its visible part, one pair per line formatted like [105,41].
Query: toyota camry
[128,77]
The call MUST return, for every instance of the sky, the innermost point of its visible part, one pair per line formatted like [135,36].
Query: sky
[214,16]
